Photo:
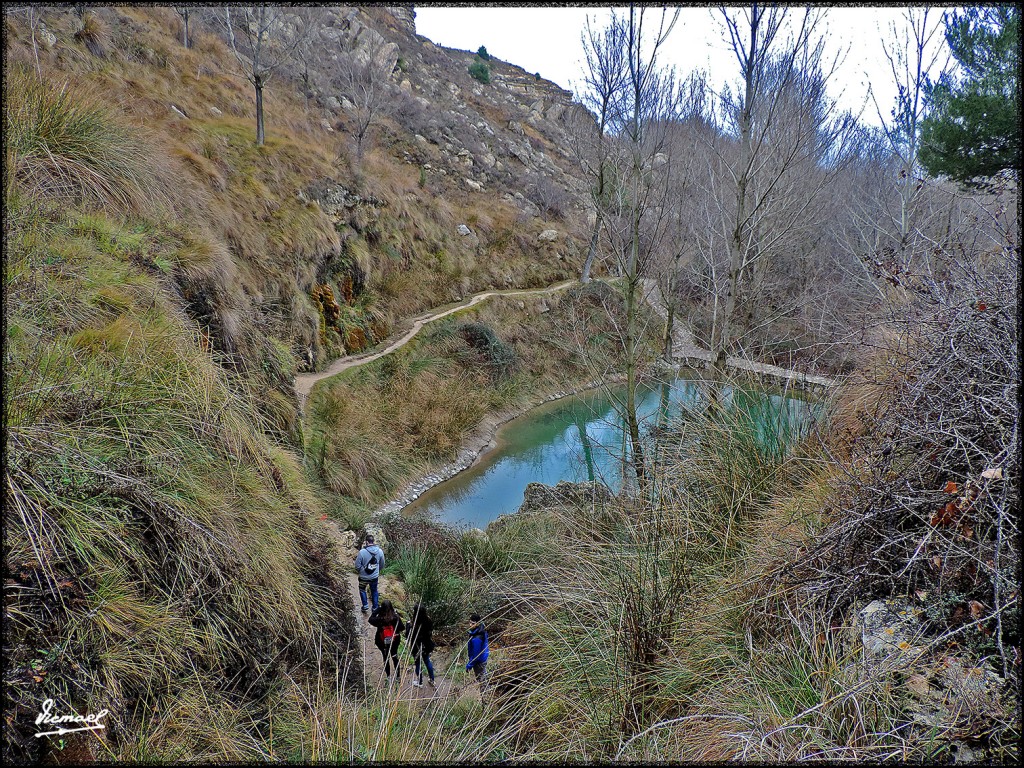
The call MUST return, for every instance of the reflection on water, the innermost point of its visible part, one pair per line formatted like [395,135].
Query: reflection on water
[581,438]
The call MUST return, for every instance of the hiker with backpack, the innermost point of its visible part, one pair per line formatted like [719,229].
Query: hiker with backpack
[388,637]
[478,648]
[420,633]
[369,563]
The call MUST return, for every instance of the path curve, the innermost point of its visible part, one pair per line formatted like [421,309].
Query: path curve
[304,383]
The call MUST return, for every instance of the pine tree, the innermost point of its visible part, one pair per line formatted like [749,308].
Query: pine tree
[973,129]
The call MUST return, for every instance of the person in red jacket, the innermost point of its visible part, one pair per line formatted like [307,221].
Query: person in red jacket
[388,636]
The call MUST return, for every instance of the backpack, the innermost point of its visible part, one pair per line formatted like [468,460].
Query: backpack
[388,634]
[371,567]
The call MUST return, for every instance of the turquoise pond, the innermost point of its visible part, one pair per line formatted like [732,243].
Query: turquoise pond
[581,438]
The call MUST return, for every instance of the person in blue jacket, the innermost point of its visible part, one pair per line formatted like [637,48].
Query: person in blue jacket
[478,648]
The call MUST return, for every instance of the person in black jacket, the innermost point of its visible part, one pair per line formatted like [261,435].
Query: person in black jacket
[388,637]
[420,633]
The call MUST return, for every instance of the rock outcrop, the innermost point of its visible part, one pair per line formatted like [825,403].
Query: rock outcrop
[405,15]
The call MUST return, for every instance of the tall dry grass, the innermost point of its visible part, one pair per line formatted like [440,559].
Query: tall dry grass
[71,147]
[159,547]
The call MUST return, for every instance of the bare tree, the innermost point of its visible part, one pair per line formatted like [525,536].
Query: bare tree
[603,83]
[184,13]
[790,143]
[633,206]
[679,248]
[263,38]
[309,51]
[918,51]
[364,78]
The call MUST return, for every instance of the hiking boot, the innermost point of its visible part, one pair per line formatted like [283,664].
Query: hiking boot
[432,683]
[416,684]
[366,609]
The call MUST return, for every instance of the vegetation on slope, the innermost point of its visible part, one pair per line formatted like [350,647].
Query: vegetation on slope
[160,558]
[163,559]
[385,423]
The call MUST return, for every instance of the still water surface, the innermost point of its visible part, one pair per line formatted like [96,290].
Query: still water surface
[580,438]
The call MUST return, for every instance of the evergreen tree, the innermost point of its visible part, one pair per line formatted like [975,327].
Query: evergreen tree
[973,129]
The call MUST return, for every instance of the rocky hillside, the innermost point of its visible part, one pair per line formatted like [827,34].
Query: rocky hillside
[304,250]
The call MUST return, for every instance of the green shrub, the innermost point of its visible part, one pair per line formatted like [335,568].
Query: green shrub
[483,54]
[429,578]
[478,70]
[499,357]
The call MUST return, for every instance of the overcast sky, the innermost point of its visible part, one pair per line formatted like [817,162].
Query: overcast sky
[547,40]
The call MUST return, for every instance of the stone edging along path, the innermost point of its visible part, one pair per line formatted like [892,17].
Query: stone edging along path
[480,441]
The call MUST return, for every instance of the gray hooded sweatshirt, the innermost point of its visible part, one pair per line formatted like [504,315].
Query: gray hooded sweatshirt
[363,562]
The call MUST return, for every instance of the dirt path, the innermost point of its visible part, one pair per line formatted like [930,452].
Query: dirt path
[304,382]
[684,347]
[445,660]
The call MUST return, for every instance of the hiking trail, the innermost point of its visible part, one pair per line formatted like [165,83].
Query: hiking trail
[305,382]
[446,660]
[684,346]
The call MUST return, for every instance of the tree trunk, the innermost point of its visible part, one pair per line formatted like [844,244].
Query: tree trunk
[666,338]
[184,31]
[632,284]
[737,241]
[592,251]
[259,114]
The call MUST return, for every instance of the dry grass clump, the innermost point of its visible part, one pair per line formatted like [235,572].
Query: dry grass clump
[67,146]
[93,34]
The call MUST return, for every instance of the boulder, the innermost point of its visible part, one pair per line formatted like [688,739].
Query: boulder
[464,230]
[554,112]
[889,628]
[538,496]
[548,236]
[405,15]
[45,35]
[474,185]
